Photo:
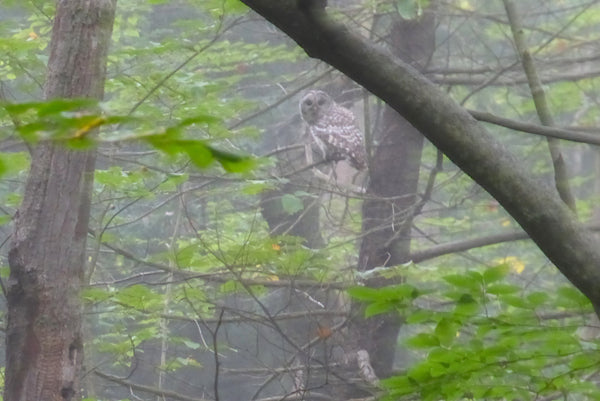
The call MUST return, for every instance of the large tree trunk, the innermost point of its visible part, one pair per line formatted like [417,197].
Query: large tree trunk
[44,348]
[393,184]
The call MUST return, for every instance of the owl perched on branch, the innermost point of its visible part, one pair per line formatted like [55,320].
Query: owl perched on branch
[333,128]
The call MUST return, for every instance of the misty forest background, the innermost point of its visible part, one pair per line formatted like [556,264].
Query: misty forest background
[222,265]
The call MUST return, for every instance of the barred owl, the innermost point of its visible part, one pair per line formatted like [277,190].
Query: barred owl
[333,128]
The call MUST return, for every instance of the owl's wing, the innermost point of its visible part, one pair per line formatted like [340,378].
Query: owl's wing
[342,136]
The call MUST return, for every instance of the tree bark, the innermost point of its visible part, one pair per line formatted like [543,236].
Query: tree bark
[44,347]
[305,222]
[561,176]
[533,203]
[393,185]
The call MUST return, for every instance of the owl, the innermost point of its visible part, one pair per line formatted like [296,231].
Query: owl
[333,128]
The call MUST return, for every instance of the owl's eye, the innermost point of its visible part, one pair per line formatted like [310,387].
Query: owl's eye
[308,102]
[321,101]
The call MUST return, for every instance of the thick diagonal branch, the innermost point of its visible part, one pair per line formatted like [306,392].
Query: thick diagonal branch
[534,204]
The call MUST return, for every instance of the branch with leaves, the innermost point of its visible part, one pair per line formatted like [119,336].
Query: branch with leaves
[533,204]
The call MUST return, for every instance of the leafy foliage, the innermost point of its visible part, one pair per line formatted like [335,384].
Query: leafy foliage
[181,252]
[481,337]
[63,120]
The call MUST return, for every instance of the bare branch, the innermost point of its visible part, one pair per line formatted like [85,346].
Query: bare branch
[533,204]
[147,389]
[554,132]
[561,177]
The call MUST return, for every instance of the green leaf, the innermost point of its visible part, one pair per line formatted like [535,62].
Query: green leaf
[185,255]
[399,292]
[291,204]
[516,301]
[409,9]
[115,178]
[569,296]
[437,370]
[199,153]
[172,182]
[50,107]
[13,199]
[138,297]
[501,288]
[377,308]
[537,298]
[255,187]
[466,306]
[445,332]
[583,361]
[81,143]
[57,106]
[234,6]
[423,340]
[363,293]
[496,273]
[399,385]
[94,295]
[145,333]
[5,219]
[3,166]
[191,344]
[420,316]
[464,281]
[231,286]
[421,373]
[233,163]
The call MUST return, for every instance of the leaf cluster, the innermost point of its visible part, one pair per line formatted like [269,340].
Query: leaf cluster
[476,335]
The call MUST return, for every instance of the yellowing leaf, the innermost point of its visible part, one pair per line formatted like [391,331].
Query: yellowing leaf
[515,264]
[96,122]
[466,5]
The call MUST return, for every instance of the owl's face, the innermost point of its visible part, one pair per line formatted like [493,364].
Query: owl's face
[313,105]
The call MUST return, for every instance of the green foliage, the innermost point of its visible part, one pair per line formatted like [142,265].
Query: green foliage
[385,299]
[201,154]
[291,203]
[410,9]
[508,343]
[61,120]
[13,164]
[189,94]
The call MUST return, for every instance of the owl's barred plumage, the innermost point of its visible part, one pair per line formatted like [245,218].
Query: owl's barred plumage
[334,128]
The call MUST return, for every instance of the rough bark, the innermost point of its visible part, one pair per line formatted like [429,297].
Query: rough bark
[393,180]
[533,203]
[47,256]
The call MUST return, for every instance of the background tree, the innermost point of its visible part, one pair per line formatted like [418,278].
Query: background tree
[393,186]
[568,244]
[44,344]
[213,281]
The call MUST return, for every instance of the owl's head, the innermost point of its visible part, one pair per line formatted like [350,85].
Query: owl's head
[314,104]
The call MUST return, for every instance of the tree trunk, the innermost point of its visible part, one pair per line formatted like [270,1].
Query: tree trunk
[532,203]
[44,348]
[305,221]
[393,185]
